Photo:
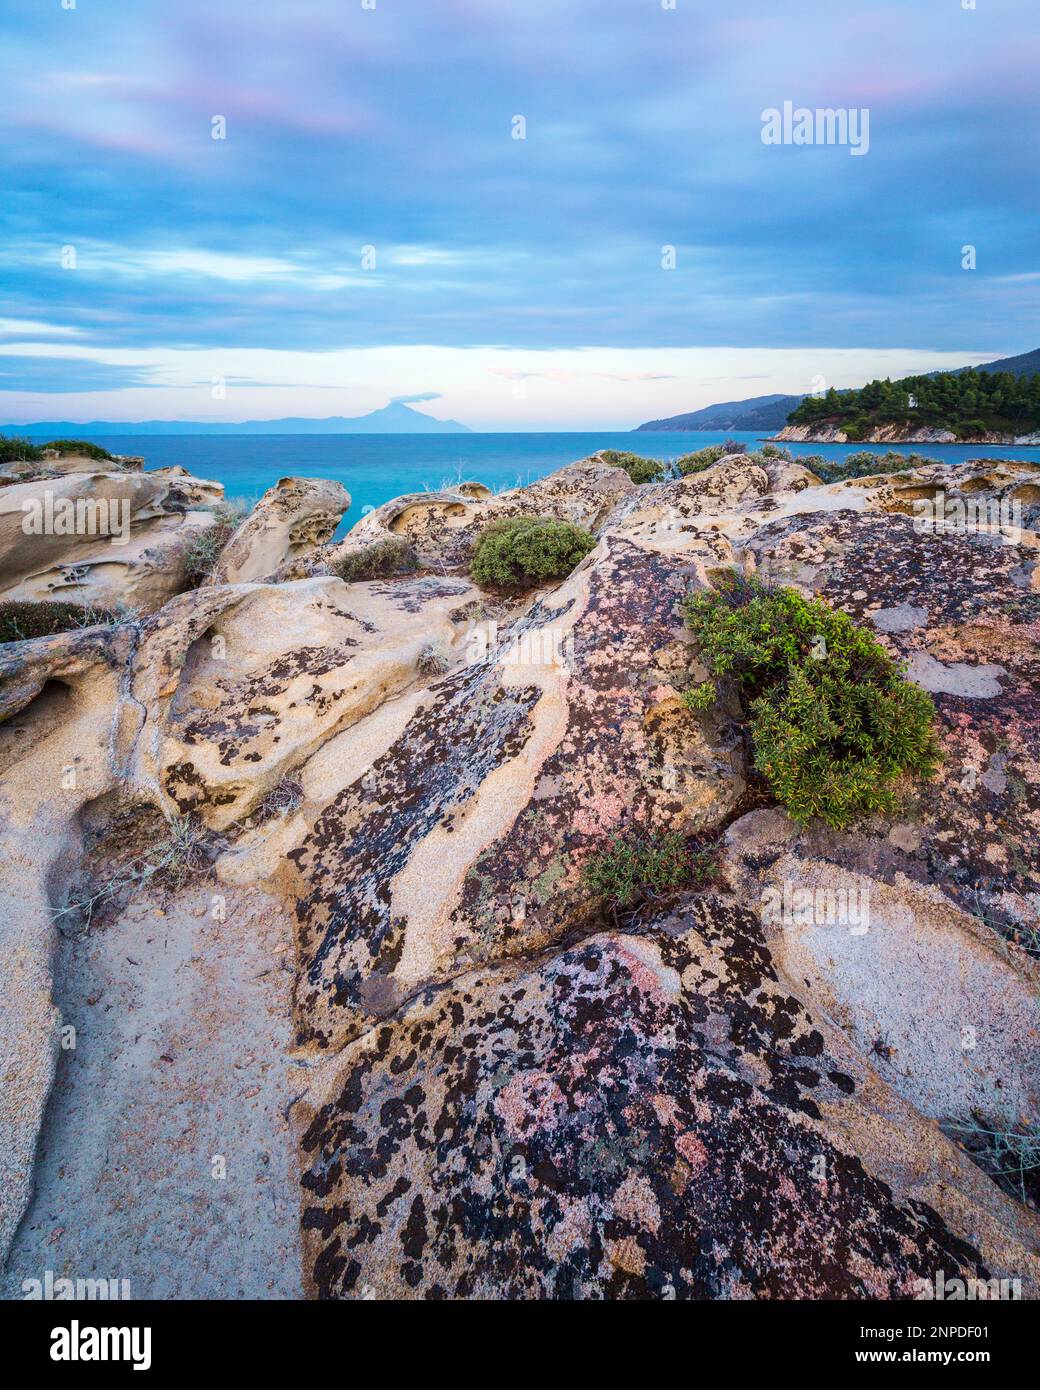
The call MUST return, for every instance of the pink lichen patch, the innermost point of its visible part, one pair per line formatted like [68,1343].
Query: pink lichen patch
[571,1232]
[531,1101]
[692,1150]
[634,1201]
[599,812]
[665,1108]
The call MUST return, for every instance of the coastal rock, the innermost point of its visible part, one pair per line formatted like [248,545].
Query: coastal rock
[467,837]
[56,754]
[907,975]
[102,539]
[441,526]
[291,520]
[240,683]
[644,1114]
[976,648]
[502,1086]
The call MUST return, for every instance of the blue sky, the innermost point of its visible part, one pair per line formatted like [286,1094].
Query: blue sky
[516,283]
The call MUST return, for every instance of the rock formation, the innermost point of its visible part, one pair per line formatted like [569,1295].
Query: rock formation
[314,857]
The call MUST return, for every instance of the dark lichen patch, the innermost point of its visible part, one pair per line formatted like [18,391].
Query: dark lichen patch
[366,836]
[572,1127]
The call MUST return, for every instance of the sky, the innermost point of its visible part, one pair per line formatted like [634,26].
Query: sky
[371,227]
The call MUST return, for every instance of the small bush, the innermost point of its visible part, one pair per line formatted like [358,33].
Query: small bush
[283,799]
[864,465]
[773,451]
[701,459]
[519,551]
[204,550]
[22,621]
[631,869]
[182,850]
[1011,1157]
[833,721]
[380,560]
[14,449]
[66,447]
[700,698]
[639,469]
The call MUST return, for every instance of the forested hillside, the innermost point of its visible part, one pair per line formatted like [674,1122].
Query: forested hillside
[968,403]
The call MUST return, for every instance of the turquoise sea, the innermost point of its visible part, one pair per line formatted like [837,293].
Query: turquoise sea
[376,467]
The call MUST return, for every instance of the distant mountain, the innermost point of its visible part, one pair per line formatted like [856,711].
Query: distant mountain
[1025,364]
[395,418]
[758,413]
[771,412]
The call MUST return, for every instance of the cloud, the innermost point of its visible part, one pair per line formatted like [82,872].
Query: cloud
[60,375]
[414,400]
[642,132]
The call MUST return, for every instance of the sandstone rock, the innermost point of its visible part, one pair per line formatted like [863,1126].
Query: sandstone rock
[55,756]
[510,1091]
[442,526]
[293,518]
[908,976]
[241,683]
[977,650]
[103,539]
[466,838]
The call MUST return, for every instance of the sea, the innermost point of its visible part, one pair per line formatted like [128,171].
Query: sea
[374,468]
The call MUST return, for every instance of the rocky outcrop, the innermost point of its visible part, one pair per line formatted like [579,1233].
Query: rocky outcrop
[500,1085]
[241,683]
[441,526]
[824,433]
[102,539]
[651,1114]
[293,518]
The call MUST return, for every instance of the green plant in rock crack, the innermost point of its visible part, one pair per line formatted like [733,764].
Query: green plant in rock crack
[832,719]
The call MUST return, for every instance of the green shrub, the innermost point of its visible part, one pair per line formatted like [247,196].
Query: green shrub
[633,868]
[863,464]
[700,459]
[773,451]
[519,551]
[79,446]
[833,721]
[639,469]
[379,560]
[13,449]
[700,697]
[22,620]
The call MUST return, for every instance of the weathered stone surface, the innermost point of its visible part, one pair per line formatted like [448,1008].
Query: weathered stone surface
[908,976]
[509,1093]
[241,683]
[120,540]
[644,1115]
[441,526]
[976,649]
[466,839]
[55,756]
[291,520]
[26,667]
